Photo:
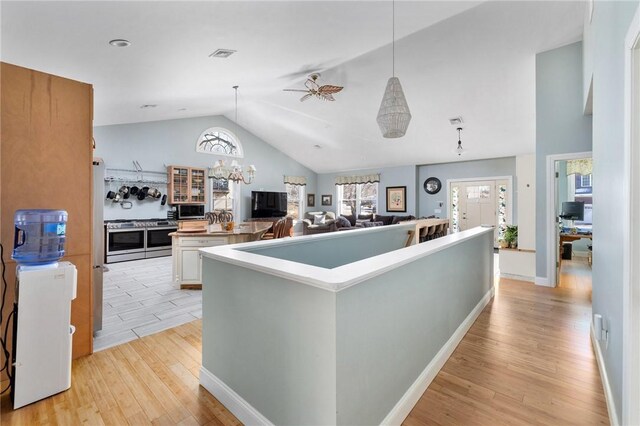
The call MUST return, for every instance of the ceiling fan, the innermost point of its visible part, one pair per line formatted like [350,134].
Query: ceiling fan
[324,92]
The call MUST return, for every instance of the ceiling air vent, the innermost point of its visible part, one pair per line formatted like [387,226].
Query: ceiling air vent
[455,121]
[222,53]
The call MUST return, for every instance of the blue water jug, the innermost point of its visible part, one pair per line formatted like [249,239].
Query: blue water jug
[39,237]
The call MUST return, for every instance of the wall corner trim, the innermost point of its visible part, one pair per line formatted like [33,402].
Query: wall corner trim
[240,408]
[543,281]
[608,394]
[404,406]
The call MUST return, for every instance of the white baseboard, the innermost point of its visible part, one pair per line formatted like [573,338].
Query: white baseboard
[543,281]
[608,394]
[231,400]
[517,277]
[402,409]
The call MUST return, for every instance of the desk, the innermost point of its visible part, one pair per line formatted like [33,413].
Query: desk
[564,238]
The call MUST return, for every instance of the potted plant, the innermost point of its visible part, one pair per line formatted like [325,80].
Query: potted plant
[511,235]
[502,243]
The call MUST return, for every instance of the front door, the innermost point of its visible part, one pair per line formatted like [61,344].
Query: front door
[478,203]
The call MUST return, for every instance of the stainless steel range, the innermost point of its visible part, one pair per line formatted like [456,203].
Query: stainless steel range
[138,239]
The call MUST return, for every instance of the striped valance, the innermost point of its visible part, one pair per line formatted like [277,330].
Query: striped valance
[582,167]
[295,180]
[348,180]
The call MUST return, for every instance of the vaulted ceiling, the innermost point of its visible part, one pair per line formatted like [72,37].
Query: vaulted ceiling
[469,59]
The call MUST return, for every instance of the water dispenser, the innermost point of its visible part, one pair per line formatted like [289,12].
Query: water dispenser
[39,236]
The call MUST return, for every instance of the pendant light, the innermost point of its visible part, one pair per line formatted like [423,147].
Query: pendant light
[459,149]
[394,115]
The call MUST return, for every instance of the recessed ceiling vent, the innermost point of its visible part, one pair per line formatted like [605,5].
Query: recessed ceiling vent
[455,121]
[222,53]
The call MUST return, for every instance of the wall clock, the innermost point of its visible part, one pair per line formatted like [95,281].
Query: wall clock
[432,185]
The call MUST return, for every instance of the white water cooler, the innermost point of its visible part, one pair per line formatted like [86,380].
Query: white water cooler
[43,331]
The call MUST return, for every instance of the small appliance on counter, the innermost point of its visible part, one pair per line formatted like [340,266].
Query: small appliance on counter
[190,211]
[43,334]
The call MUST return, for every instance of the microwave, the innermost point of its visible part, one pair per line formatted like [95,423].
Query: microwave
[190,211]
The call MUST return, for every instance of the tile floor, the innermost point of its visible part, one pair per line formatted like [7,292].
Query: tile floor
[140,299]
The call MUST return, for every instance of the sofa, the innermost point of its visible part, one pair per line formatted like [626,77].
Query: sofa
[345,223]
[311,223]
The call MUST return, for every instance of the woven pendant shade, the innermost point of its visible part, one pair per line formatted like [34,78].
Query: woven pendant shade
[394,115]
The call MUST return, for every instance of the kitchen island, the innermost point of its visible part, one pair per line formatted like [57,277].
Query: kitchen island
[187,263]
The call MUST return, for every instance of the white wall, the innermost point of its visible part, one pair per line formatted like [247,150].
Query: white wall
[526,207]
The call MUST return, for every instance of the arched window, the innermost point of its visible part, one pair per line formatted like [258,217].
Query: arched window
[219,141]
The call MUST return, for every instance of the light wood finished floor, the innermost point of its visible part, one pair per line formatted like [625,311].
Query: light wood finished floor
[526,360]
[151,380]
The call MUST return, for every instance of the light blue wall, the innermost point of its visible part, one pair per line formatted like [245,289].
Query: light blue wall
[389,176]
[461,170]
[607,33]
[561,126]
[302,355]
[172,142]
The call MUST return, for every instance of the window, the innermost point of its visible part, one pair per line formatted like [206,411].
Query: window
[219,141]
[295,196]
[355,199]
[585,181]
[222,197]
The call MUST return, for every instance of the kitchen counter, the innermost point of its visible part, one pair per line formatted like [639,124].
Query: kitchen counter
[187,261]
[248,228]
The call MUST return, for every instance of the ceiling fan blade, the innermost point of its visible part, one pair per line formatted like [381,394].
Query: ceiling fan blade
[294,90]
[305,97]
[329,88]
[326,96]
[311,85]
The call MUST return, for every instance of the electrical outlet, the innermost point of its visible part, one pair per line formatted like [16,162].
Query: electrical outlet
[437,211]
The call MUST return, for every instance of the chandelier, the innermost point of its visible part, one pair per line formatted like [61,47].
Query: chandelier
[233,172]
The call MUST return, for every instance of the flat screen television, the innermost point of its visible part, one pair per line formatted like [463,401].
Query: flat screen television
[572,210]
[268,204]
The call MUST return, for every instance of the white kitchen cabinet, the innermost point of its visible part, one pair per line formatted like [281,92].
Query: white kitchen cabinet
[187,264]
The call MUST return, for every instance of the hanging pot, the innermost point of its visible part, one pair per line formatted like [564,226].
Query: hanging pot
[141,195]
[134,190]
[153,192]
[110,195]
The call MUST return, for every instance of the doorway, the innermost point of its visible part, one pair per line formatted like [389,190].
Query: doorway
[573,207]
[476,202]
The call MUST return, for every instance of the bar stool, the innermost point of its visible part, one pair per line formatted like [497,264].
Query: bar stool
[439,230]
[432,232]
[423,234]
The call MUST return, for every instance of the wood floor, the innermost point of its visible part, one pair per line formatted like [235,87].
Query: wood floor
[151,380]
[526,360]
